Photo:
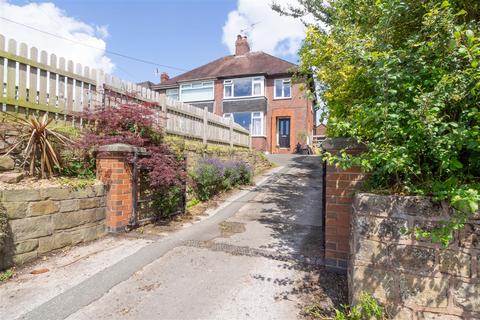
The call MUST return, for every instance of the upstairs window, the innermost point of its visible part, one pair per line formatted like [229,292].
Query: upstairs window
[172,94]
[196,91]
[283,89]
[243,87]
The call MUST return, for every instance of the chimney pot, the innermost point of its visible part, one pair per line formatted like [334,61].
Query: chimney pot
[164,77]
[241,46]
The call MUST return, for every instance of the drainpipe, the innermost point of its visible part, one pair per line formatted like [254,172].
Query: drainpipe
[324,200]
[134,218]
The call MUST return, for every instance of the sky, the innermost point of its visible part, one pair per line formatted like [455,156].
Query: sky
[175,35]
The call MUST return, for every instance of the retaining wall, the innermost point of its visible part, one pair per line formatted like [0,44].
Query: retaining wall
[414,279]
[40,220]
[255,159]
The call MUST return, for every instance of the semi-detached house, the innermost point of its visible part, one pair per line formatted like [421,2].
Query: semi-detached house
[256,90]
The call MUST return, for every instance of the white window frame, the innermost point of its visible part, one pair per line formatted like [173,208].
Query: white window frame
[284,80]
[260,115]
[255,80]
[262,120]
[173,89]
[197,85]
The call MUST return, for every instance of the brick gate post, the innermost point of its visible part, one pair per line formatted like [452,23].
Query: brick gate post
[115,171]
[340,187]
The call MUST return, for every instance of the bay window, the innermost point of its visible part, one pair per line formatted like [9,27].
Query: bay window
[243,87]
[283,89]
[252,121]
[196,91]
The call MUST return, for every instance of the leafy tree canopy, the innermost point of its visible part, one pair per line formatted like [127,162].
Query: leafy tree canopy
[403,77]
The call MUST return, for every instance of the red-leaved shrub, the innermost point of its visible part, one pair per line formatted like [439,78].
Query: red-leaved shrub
[135,124]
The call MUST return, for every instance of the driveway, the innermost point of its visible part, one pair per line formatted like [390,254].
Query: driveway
[258,257]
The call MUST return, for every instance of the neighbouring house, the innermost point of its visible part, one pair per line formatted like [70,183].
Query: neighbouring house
[319,134]
[255,90]
[146,84]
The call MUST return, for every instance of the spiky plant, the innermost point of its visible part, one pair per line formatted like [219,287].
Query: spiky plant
[39,139]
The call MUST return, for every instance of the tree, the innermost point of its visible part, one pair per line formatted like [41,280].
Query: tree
[403,77]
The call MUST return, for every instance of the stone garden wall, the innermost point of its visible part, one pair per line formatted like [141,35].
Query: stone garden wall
[42,219]
[255,159]
[414,279]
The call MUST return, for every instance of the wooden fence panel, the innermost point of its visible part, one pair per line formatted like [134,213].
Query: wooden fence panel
[64,88]
[2,62]
[42,88]
[61,86]
[52,91]
[22,74]
[69,101]
[11,71]
[33,88]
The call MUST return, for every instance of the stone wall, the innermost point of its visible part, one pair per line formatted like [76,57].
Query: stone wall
[255,159]
[414,279]
[8,137]
[41,220]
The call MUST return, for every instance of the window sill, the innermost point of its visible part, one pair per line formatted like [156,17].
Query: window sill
[258,136]
[288,98]
[243,98]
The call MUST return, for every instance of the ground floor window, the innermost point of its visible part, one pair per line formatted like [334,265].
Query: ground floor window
[253,121]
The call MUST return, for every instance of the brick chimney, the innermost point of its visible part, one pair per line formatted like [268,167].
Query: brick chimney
[241,46]
[164,77]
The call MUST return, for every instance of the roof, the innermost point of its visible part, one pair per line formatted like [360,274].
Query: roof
[146,84]
[251,63]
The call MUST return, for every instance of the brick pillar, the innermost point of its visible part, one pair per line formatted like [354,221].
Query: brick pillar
[115,171]
[340,187]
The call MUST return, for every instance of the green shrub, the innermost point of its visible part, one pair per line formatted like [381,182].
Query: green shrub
[211,176]
[208,178]
[403,78]
[77,167]
[7,274]
[366,309]
[167,204]
[192,202]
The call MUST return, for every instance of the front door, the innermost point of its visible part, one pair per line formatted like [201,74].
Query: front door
[284,132]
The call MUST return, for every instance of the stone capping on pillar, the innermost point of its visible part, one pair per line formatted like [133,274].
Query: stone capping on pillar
[121,147]
[335,145]
[340,186]
[115,171]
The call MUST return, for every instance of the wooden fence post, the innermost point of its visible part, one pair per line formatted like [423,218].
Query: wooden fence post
[231,132]
[205,125]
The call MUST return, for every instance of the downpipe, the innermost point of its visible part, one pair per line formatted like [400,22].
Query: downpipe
[134,217]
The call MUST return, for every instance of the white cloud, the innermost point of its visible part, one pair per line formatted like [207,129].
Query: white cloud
[271,32]
[50,18]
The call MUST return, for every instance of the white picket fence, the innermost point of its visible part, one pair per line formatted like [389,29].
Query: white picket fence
[36,82]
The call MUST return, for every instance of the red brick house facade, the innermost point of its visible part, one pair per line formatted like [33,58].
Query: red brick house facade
[255,89]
